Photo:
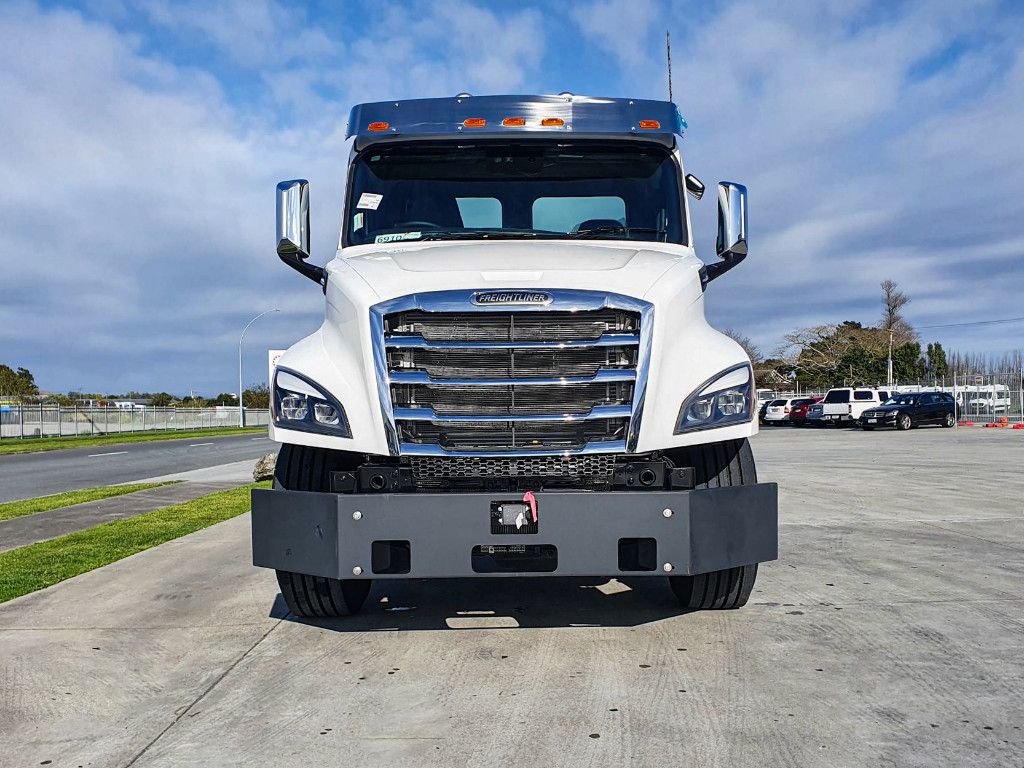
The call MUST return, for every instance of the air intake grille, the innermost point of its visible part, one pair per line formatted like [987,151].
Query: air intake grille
[511,326]
[566,379]
[591,470]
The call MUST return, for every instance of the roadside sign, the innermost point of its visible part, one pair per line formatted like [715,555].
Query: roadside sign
[272,357]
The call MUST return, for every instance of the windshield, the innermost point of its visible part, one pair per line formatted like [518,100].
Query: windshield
[901,400]
[432,191]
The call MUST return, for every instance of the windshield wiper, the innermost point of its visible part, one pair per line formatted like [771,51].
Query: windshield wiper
[476,234]
[617,230]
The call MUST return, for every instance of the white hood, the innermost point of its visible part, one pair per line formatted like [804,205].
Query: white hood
[685,352]
[435,266]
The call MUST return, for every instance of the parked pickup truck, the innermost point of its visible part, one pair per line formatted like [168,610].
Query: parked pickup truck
[844,405]
[514,376]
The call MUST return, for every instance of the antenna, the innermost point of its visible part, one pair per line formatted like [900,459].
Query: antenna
[668,54]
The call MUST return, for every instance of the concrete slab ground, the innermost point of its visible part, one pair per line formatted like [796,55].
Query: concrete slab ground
[29,529]
[890,632]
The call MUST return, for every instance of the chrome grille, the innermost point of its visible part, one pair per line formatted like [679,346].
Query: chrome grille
[510,382]
[510,326]
[570,399]
[469,363]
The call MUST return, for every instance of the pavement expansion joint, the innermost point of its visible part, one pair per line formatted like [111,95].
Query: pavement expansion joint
[206,691]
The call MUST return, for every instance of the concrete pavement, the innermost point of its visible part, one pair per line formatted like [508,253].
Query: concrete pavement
[26,475]
[888,633]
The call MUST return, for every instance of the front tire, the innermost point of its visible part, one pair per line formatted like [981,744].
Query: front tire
[949,421]
[904,422]
[717,465]
[300,468]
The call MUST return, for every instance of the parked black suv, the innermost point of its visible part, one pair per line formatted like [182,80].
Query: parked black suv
[911,410]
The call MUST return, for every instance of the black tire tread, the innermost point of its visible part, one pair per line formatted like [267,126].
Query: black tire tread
[717,465]
[301,468]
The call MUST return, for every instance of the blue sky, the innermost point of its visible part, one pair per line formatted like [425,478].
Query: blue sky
[142,141]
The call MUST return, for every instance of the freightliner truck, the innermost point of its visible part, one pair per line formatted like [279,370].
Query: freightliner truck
[514,376]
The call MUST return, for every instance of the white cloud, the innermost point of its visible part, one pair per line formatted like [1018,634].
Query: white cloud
[137,174]
[621,27]
[137,211]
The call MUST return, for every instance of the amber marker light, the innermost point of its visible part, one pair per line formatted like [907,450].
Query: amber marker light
[650,124]
[474,122]
[512,122]
[552,122]
[380,125]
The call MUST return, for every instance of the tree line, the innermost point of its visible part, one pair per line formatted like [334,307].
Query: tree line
[850,353]
[19,386]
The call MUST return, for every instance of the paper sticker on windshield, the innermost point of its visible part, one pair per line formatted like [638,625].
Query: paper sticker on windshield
[357,221]
[397,237]
[369,200]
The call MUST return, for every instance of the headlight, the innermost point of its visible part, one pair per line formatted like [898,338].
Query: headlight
[301,405]
[719,402]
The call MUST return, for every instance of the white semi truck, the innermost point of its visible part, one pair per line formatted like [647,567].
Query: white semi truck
[514,376]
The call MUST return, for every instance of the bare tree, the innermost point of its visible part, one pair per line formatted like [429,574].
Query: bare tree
[816,350]
[752,350]
[893,302]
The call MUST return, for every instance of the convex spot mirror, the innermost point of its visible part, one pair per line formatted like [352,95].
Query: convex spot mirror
[694,186]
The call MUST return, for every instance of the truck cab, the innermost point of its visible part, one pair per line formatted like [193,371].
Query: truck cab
[514,375]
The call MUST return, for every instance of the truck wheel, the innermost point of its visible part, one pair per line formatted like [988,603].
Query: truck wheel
[903,422]
[300,468]
[717,465]
[317,597]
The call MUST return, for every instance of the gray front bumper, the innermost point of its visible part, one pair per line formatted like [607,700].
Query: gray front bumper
[320,534]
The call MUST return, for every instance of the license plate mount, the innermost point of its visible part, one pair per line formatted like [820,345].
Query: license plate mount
[512,516]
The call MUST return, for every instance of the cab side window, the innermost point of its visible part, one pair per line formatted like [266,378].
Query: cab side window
[863,394]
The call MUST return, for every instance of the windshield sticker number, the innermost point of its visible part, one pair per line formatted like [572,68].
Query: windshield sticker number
[398,237]
[369,200]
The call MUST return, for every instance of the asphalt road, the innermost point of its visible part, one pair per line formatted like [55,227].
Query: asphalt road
[889,632]
[25,475]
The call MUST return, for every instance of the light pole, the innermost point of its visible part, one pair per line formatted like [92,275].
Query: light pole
[889,382]
[241,405]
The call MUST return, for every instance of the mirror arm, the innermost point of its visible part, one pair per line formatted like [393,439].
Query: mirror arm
[312,271]
[710,272]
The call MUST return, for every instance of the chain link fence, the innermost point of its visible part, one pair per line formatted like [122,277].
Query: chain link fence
[18,421]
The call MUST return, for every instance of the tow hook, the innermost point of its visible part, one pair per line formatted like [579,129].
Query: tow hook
[530,499]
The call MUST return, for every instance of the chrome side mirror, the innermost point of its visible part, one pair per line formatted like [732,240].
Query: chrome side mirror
[694,186]
[732,219]
[293,229]
[732,231]
[293,218]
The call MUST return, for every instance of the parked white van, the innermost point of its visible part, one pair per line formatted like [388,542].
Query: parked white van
[844,405]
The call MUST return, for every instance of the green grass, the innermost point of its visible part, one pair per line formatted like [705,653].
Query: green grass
[12,509]
[36,566]
[35,444]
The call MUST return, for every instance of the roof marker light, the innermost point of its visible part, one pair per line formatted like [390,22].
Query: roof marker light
[650,124]
[474,122]
[379,125]
[509,122]
[552,122]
